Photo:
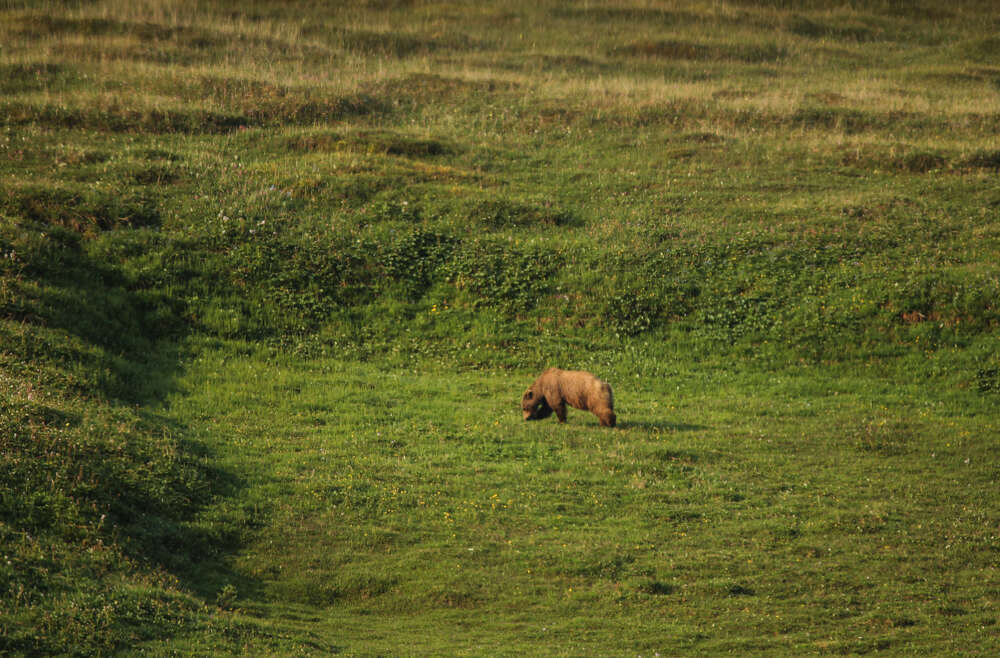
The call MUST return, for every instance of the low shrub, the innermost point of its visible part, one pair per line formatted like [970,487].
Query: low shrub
[501,213]
[500,274]
[413,261]
[632,312]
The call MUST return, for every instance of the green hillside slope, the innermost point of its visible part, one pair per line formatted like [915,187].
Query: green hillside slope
[273,277]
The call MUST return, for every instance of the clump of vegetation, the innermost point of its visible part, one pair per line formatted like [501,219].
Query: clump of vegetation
[499,214]
[499,274]
[414,260]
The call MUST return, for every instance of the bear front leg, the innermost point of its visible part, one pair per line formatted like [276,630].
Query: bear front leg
[560,410]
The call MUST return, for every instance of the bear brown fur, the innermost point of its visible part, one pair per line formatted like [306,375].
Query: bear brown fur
[556,388]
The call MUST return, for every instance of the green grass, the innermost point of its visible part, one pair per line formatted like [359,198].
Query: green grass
[272,281]
[800,509]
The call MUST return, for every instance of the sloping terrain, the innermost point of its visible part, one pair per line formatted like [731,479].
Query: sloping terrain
[273,278]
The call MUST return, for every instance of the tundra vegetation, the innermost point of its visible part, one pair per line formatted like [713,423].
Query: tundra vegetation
[273,277]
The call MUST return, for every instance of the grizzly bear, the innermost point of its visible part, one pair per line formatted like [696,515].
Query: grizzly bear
[556,388]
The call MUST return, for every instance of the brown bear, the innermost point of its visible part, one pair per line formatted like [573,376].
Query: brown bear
[556,388]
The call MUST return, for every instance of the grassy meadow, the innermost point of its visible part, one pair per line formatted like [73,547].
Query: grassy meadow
[273,277]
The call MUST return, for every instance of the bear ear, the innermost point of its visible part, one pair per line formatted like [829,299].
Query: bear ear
[529,395]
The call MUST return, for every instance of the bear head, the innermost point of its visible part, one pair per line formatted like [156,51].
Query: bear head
[534,406]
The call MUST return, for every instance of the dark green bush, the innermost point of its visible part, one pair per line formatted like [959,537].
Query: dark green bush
[393,210]
[740,315]
[293,283]
[413,260]
[988,379]
[633,312]
[499,213]
[499,274]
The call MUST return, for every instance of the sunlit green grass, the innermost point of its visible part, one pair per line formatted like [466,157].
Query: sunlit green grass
[817,511]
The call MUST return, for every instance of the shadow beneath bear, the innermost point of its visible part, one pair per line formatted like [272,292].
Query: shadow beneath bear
[659,426]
